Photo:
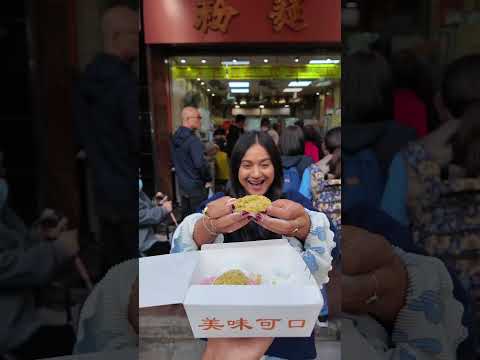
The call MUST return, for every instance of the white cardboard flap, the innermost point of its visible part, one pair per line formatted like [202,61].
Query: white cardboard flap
[248,296]
[164,279]
[274,242]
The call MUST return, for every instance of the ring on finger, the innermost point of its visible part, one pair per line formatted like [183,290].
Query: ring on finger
[297,228]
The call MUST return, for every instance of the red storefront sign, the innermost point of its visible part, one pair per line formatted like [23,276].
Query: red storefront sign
[242,21]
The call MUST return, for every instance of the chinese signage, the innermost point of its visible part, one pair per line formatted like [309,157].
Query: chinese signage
[300,72]
[242,21]
[214,15]
[242,324]
[288,12]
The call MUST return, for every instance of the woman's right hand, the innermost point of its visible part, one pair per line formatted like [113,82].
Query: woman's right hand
[231,222]
[220,207]
[223,218]
[370,266]
[236,348]
[219,218]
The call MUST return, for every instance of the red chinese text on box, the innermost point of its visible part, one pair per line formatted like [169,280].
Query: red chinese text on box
[268,324]
[296,324]
[211,324]
[241,324]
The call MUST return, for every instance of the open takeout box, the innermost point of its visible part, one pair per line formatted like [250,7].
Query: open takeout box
[286,304]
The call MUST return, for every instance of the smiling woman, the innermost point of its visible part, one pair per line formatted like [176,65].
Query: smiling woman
[256,169]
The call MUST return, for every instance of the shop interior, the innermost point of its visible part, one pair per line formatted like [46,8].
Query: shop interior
[286,89]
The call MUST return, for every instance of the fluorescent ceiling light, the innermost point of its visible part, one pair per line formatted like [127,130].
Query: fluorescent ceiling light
[239,84]
[236,62]
[292,90]
[299,83]
[239,91]
[324,61]
[324,83]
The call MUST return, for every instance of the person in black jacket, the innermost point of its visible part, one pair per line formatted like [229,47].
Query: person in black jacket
[106,124]
[191,167]
[234,132]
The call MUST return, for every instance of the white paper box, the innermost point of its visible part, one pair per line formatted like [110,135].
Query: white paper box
[289,308]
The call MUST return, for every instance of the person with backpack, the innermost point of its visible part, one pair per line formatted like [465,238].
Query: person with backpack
[294,162]
[321,182]
[371,137]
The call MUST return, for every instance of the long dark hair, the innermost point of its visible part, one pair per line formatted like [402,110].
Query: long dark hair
[292,141]
[253,231]
[461,96]
[367,88]
[244,143]
[466,146]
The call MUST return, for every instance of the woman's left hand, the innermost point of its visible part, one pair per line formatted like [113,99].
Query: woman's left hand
[285,217]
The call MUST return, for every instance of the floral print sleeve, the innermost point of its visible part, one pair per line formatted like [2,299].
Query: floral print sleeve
[425,183]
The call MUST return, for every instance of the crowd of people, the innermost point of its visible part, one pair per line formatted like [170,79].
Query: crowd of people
[35,257]
[415,185]
[404,194]
[387,220]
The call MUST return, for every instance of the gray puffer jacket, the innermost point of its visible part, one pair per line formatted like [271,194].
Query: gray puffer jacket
[26,264]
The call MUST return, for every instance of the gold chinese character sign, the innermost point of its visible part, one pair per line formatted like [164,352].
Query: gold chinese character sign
[288,12]
[214,15]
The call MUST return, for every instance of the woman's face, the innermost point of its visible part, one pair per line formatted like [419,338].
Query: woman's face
[256,171]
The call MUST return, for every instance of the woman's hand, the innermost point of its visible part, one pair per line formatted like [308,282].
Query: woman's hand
[53,232]
[370,266]
[222,218]
[231,222]
[236,348]
[363,251]
[324,163]
[285,217]
[219,218]
[220,207]
[438,143]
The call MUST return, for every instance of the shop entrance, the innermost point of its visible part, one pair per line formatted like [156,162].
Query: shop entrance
[285,89]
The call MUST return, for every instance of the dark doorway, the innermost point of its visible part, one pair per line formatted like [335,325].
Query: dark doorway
[17,140]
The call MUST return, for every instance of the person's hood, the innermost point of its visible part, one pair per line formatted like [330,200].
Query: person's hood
[181,136]
[361,136]
[101,73]
[289,161]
